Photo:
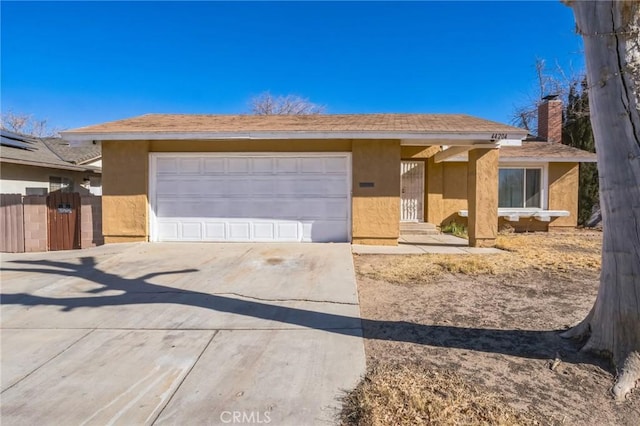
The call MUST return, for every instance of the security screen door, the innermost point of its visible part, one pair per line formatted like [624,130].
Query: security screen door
[412,191]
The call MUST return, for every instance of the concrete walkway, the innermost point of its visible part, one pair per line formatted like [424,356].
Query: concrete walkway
[180,334]
[421,244]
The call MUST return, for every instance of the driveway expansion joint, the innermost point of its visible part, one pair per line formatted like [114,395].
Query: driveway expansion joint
[50,359]
[161,410]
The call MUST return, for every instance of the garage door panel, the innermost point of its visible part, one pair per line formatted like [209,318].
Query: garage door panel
[286,165]
[336,165]
[239,166]
[203,197]
[168,230]
[288,231]
[264,231]
[191,231]
[237,187]
[214,166]
[189,166]
[262,166]
[239,231]
[215,231]
[167,166]
[311,166]
[263,188]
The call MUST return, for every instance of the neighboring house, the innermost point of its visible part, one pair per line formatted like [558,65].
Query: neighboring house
[325,177]
[37,166]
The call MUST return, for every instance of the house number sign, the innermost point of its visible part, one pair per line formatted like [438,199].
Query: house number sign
[64,208]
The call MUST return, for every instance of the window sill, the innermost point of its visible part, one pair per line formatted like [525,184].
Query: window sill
[514,215]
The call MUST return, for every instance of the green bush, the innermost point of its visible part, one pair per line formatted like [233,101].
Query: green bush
[455,228]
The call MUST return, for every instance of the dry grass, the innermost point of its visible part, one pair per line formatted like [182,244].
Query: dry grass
[411,395]
[554,253]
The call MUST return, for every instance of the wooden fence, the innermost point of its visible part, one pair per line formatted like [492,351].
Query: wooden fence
[28,223]
[11,223]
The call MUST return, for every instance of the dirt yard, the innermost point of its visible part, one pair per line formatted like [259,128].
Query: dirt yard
[494,321]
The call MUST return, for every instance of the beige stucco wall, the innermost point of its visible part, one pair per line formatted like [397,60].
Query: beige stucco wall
[376,210]
[433,206]
[447,192]
[447,182]
[15,178]
[482,190]
[124,191]
[454,196]
[563,193]
[418,152]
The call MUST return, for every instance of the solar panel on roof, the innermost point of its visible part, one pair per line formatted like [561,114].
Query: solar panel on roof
[16,143]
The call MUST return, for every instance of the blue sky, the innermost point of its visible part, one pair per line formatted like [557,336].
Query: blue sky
[80,63]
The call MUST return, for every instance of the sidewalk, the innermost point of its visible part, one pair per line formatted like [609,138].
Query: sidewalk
[421,244]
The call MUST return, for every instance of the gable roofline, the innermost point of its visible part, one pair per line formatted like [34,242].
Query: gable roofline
[538,152]
[67,166]
[407,127]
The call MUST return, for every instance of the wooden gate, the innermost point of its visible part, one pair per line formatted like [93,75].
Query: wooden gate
[64,220]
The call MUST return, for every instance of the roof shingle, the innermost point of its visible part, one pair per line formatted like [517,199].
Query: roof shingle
[39,154]
[408,123]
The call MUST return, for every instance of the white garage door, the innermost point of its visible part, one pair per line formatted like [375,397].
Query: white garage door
[237,197]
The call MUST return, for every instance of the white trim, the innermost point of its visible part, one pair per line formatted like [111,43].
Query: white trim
[463,159]
[151,196]
[77,138]
[510,142]
[514,215]
[449,152]
[544,185]
[153,157]
[547,160]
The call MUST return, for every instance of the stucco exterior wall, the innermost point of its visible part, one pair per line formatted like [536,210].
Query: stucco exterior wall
[454,195]
[124,191]
[447,185]
[418,152]
[434,190]
[563,193]
[376,192]
[375,210]
[482,190]
[15,178]
[446,192]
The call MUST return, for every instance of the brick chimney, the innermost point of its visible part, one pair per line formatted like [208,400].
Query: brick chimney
[550,119]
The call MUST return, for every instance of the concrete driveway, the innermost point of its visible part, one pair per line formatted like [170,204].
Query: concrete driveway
[180,334]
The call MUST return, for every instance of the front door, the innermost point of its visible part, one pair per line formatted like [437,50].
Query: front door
[412,191]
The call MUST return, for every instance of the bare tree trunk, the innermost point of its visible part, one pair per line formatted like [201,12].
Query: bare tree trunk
[612,47]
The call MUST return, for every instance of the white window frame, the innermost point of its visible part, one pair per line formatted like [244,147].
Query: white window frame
[544,185]
[66,184]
